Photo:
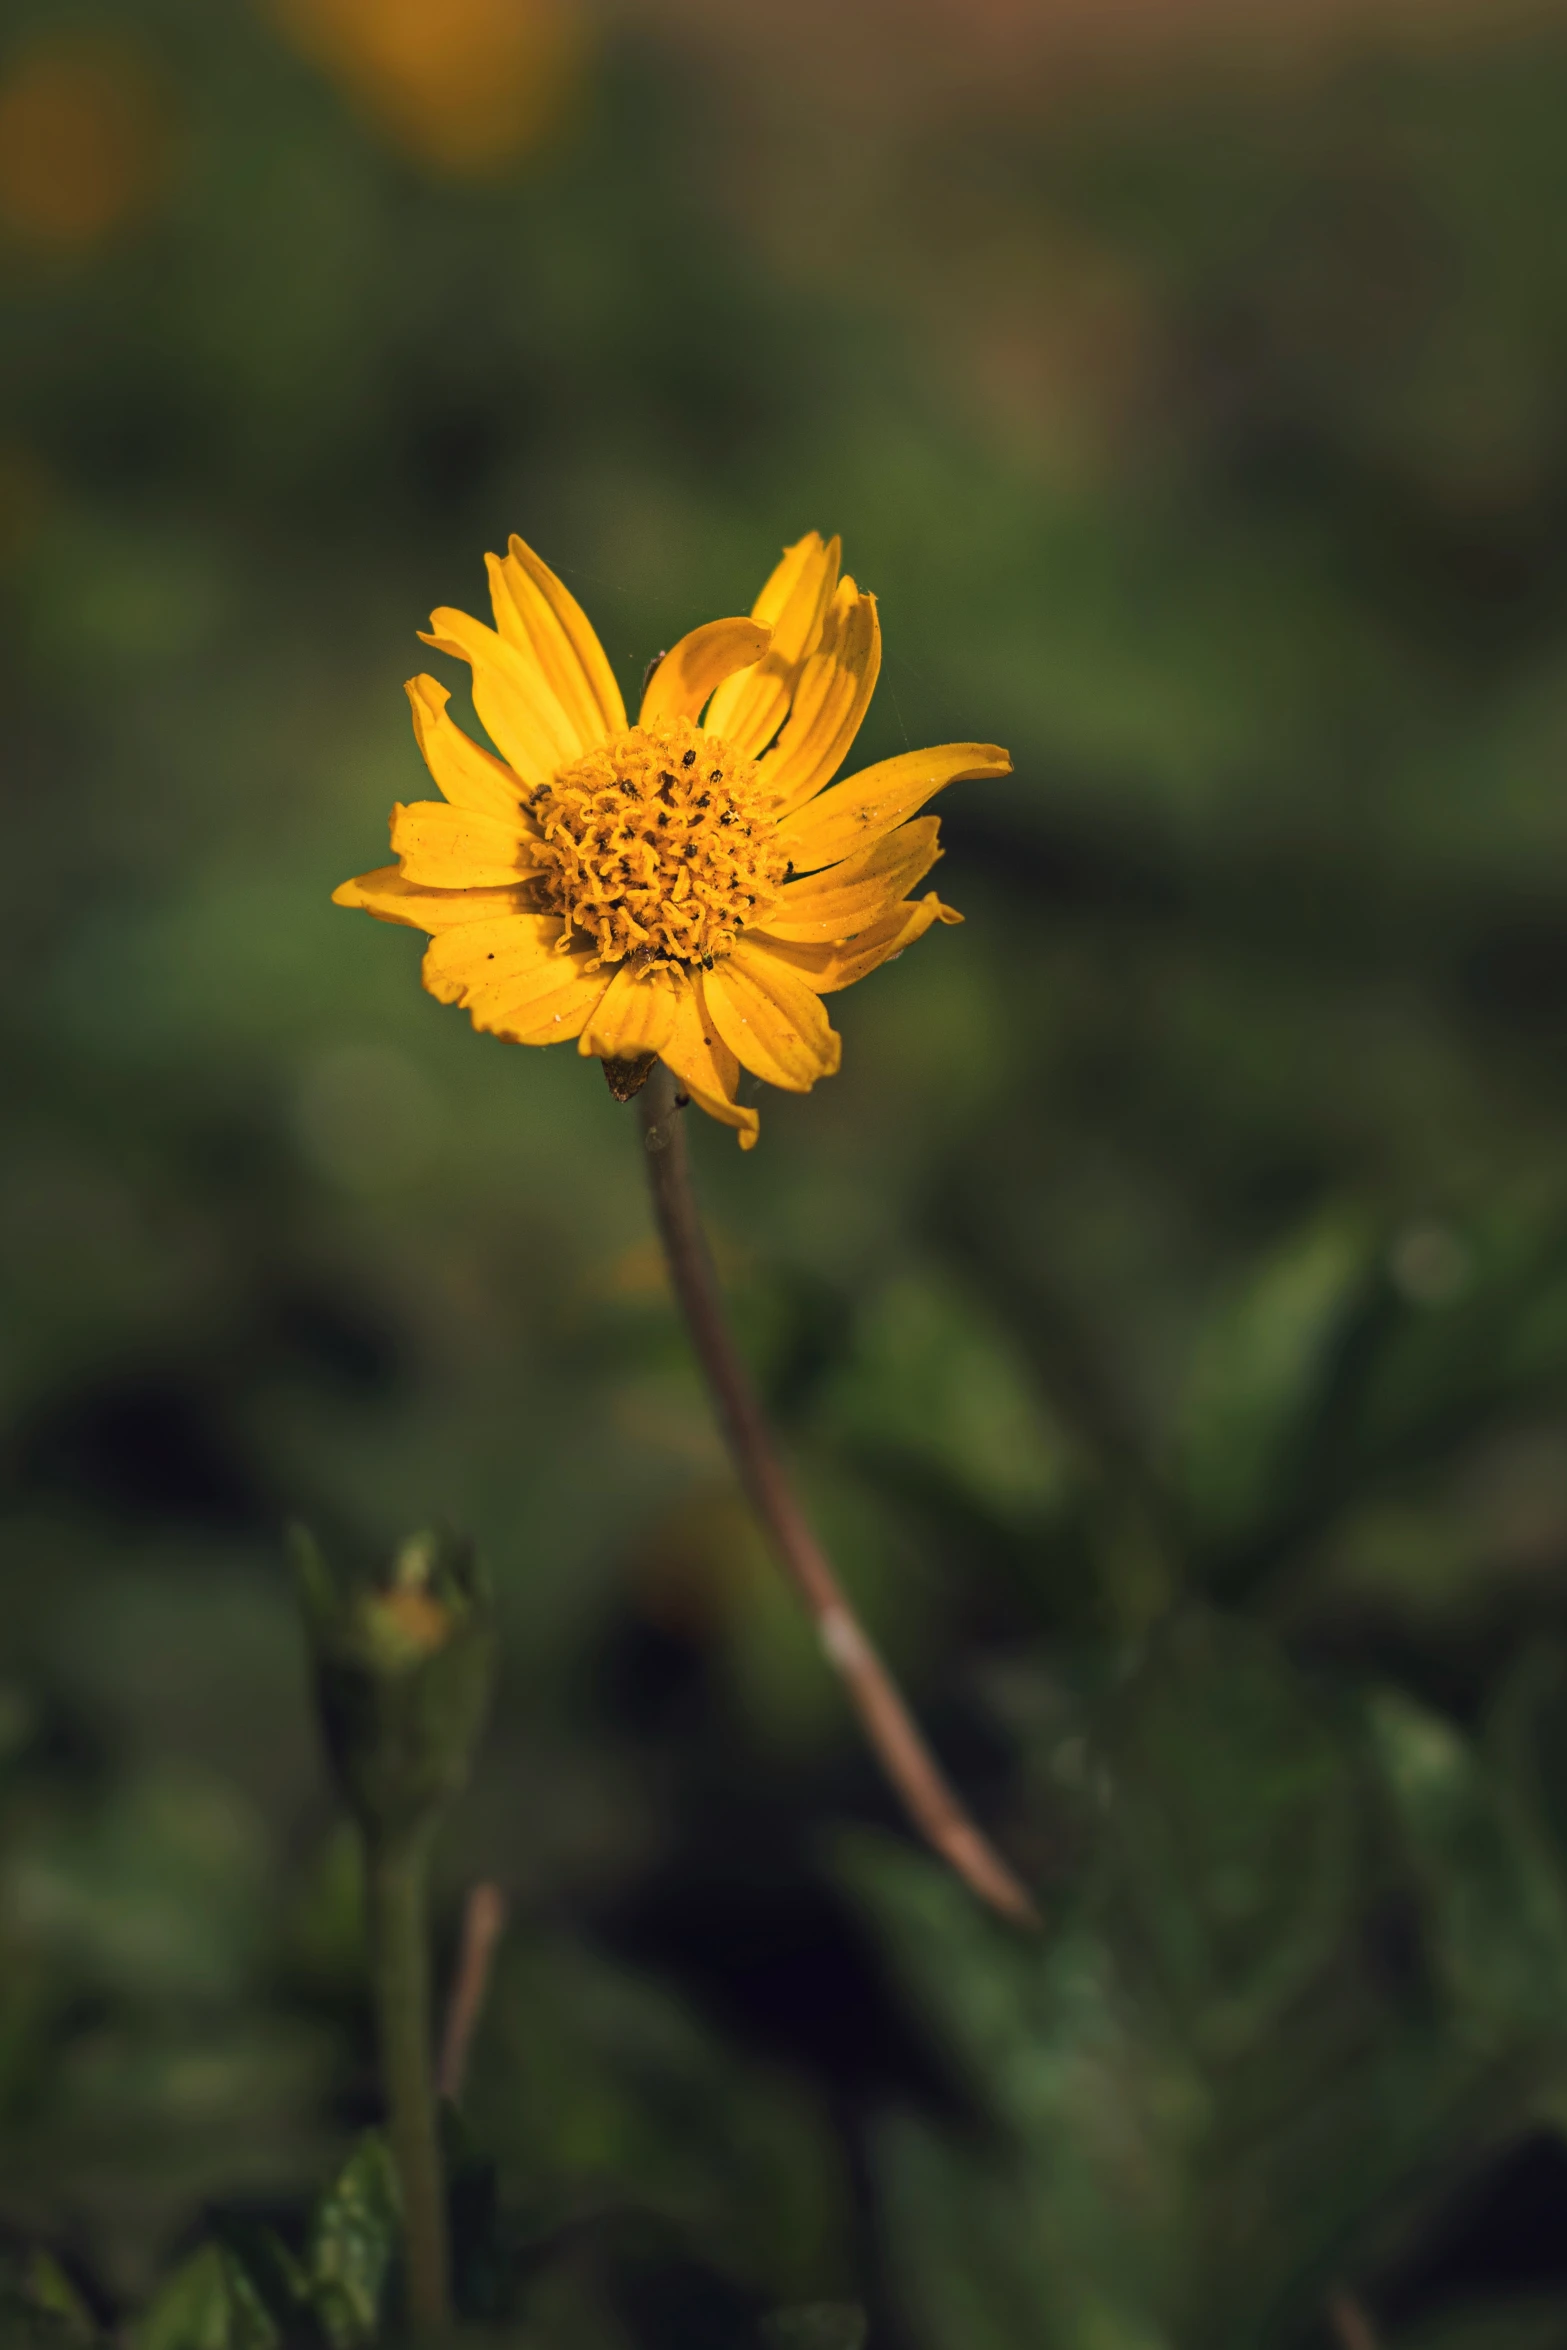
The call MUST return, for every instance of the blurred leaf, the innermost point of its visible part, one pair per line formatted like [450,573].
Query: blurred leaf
[1453,1360]
[1495,1904]
[1258,1375]
[1353,1368]
[1231,1856]
[158,1893]
[40,2308]
[594,2085]
[278,2278]
[208,2304]
[149,2102]
[48,2288]
[1201,2090]
[354,2244]
[933,1384]
[982,2259]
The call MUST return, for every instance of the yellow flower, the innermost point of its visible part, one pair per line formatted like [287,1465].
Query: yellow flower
[687,888]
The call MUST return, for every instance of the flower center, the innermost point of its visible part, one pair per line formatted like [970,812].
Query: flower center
[656,844]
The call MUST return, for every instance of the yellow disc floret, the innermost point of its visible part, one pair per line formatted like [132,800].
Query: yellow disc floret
[657,844]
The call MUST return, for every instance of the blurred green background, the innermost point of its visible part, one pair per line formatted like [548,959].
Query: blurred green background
[1167,1305]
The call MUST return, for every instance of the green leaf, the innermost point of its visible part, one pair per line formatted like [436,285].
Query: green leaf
[1068,2226]
[936,1386]
[1229,1874]
[598,2087]
[208,2304]
[49,2290]
[158,1892]
[988,2258]
[1205,2092]
[269,2265]
[1494,1901]
[40,2309]
[354,2244]
[1258,1374]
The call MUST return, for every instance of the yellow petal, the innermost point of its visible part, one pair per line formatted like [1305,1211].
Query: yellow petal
[468,775]
[869,805]
[483,954]
[634,1015]
[806,557]
[702,660]
[706,1068]
[770,1018]
[830,701]
[545,1001]
[516,707]
[737,1114]
[841,962]
[391,897]
[547,1020]
[844,899]
[748,709]
[538,614]
[451,848]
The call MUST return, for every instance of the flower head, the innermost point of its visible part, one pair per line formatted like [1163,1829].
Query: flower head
[687,888]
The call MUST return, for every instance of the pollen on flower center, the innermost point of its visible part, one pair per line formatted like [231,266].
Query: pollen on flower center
[658,843]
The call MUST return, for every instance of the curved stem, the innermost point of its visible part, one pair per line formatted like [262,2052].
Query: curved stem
[400,1960]
[907,1760]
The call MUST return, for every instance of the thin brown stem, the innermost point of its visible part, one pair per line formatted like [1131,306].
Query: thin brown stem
[907,1760]
[483,1922]
[1352,2328]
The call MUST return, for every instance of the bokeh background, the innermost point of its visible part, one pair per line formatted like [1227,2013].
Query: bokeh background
[1167,1306]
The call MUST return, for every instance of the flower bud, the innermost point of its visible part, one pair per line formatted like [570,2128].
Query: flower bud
[404,1661]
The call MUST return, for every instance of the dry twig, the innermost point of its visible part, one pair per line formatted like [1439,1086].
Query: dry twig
[483,1922]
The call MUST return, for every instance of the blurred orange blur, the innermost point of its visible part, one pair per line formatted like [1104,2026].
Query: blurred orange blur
[84,143]
[465,86]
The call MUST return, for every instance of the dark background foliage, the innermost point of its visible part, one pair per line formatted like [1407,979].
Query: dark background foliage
[1167,1306]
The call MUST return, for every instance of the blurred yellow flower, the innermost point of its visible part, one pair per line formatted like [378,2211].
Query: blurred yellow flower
[84,143]
[687,887]
[464,85]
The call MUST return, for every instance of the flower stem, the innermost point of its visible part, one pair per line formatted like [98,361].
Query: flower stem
[900,1747]
[398,1868]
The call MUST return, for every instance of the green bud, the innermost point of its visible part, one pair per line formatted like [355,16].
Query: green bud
[404,1661]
